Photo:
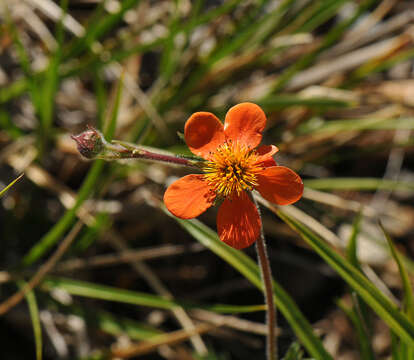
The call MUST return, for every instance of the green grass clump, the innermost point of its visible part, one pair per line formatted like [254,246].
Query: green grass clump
[334,78]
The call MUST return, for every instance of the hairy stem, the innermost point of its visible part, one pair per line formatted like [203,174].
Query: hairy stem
[92,145]
[266,275]
[152,156]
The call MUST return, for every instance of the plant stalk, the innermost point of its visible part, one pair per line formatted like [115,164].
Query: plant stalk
[143,154]
[92,145]
[266,274]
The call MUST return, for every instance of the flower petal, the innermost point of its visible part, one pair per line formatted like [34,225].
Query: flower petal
[238,222]
[265,153]
[189,197]
[280,185]
[203,133]
[244,123]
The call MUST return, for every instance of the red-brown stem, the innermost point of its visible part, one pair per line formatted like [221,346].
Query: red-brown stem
[148,155]
[92,144]
[128,151]
[266,274]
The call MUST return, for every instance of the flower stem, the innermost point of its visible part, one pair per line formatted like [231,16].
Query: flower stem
[92,145]
[266,275]
[139,153]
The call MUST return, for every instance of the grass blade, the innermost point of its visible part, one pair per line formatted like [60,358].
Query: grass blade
[407,351]
[101,97]
[116,325]
[294,352]
[338,126]
[34,315]
[357,184]
[250,270]
[101,24]
[50,83]
[325,11]
[54,234]
[282,101]
[352,248]
[364,343]
[3,191]
[395,349]
[328,40]
[57,231]
[408,291]
[382,305]
[359,315]
[103,292]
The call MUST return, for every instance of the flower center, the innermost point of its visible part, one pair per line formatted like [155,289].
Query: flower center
[231,169]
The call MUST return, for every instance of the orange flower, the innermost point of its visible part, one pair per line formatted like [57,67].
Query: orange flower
[232,168]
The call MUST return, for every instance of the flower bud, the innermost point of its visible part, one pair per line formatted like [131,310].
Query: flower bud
[90,142]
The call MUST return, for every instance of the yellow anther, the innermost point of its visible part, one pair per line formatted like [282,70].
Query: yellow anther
[231,169]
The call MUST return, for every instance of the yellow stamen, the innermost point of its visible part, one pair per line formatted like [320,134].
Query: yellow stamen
[231,169]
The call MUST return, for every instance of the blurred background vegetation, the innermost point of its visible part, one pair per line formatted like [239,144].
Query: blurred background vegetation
[110,274]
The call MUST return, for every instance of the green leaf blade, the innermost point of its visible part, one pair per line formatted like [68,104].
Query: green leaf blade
[249,269]
[383,306]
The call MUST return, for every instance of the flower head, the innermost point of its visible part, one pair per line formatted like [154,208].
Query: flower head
[90,143]
[233,167]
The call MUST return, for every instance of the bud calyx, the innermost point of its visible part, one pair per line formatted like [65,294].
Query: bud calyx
[90,143]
